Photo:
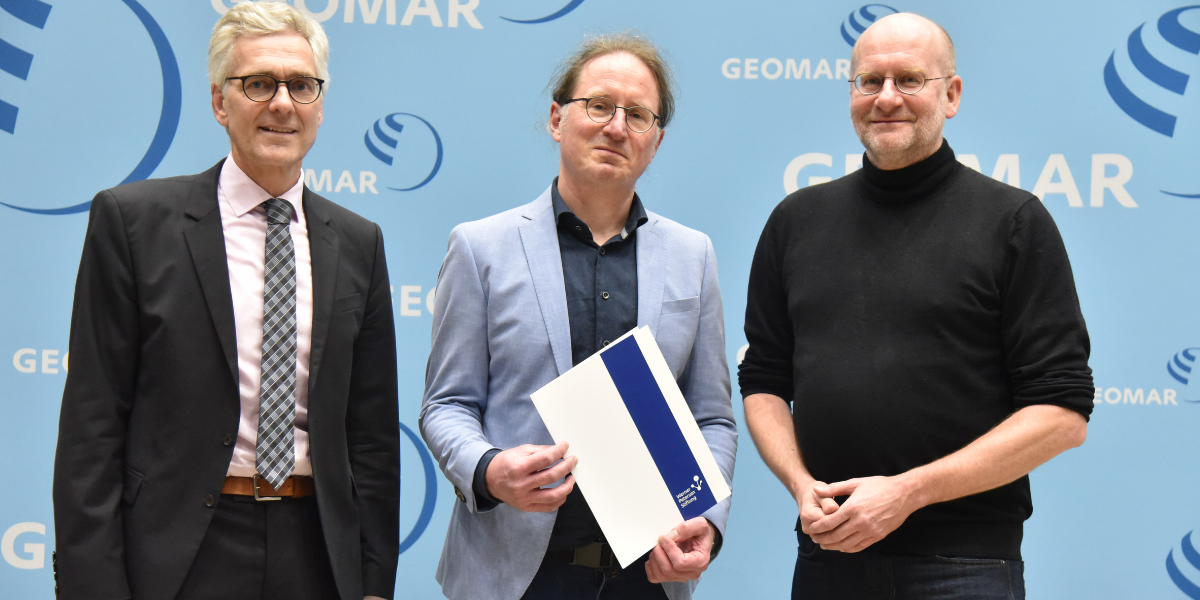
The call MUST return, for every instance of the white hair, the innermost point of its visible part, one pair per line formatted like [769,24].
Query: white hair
[263,18]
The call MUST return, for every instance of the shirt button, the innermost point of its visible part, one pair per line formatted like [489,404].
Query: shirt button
[602,251]
[461,497]
[604,295]
[578,228]
[605,343]
[209,501]
[227,439]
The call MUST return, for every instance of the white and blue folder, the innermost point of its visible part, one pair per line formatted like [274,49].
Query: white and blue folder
[644,466]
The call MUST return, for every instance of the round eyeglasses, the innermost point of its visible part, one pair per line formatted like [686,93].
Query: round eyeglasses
[638,119]
[869,84]
[262,88]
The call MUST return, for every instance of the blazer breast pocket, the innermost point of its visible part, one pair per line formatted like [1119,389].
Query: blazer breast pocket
[681,305]
[347,303]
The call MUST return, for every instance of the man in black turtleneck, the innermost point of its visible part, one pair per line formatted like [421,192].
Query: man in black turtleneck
[922,322]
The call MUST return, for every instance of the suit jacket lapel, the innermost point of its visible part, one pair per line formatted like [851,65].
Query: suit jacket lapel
[323,245]
[206,243]
[651,266]
[540,239]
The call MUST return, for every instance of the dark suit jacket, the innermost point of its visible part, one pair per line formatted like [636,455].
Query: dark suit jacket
[151,403]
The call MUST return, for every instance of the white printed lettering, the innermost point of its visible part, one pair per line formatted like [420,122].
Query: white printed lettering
[1116,183]
[1057,163]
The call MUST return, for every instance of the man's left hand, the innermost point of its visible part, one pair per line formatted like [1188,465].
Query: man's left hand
[875,508]
[682,554]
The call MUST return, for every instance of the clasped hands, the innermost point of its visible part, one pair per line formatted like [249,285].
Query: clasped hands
[518,477]
[876,507]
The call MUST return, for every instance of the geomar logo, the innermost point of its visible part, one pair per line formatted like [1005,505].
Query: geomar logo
[429,498]
[1181,368]
[558,14]
[862,18]
[414,152]
[15,61]
[1147,80]
[1153,70]
[49,107]
[1189,553]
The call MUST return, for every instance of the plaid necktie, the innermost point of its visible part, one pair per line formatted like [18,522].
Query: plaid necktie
[276,454]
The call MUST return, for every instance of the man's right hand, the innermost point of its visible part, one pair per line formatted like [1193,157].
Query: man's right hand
[516,476]
[812,507]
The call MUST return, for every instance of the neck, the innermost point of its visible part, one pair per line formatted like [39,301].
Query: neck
[274,180]
[899,160]
[603,208]
[912,183]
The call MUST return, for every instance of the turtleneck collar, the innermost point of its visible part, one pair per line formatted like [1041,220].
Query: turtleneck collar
[908,184]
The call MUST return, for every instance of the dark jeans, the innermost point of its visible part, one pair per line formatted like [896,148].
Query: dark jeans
[253,550]
[562,581]
[826,575]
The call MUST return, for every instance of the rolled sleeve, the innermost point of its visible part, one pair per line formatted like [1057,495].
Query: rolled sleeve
[767,365]
[1045,338]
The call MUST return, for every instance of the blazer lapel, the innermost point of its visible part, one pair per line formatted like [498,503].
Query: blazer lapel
[540,239]
[206,243]
[651,266]
[323,246]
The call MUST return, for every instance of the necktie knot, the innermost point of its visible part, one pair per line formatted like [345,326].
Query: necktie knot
[279,211]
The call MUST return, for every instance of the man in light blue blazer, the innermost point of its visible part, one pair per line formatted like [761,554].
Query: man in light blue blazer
[526,294]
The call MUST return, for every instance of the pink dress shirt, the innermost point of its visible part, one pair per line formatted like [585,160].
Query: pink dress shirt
[244,223]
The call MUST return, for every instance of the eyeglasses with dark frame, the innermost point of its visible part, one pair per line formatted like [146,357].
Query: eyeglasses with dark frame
[262,88]
[869,84]
[601,110]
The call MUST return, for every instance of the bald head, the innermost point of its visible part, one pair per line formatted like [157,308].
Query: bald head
[908,28]
[898,127]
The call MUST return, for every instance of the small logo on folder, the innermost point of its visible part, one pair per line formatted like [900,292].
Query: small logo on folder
[688,496]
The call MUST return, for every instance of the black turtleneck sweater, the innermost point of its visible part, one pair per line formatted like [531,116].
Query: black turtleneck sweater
[904,314]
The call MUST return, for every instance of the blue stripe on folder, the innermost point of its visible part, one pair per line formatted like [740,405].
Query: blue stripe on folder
[658,428]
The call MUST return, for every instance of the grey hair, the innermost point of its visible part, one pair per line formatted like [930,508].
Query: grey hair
[263,18]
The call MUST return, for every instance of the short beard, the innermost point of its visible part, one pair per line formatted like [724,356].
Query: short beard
[925,135]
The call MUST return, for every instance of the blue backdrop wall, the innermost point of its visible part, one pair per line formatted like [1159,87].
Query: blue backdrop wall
[1088,104]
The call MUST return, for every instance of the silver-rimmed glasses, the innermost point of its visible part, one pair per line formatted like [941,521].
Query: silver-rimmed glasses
[869,84]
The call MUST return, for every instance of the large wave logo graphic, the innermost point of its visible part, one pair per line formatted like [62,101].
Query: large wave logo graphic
[1153,70]
[36,13]
[1182,368]
[1185,585]
[862,18]
[1181,365]
[15,61]
[429,498]
[409,160]
[572,5]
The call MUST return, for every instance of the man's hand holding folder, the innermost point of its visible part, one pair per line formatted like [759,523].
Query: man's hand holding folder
[683,554]
[516,477]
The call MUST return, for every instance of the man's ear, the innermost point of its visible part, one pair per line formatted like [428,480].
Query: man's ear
[953,96]
[218,105]
[556,115]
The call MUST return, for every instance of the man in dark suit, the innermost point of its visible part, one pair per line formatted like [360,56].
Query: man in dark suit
[229,427]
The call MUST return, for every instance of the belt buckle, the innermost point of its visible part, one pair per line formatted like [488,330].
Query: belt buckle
[595,555]
[259,497]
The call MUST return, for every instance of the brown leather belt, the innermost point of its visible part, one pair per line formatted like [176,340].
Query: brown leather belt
[293,487]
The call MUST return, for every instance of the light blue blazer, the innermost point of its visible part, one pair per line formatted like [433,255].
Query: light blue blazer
[500,332]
